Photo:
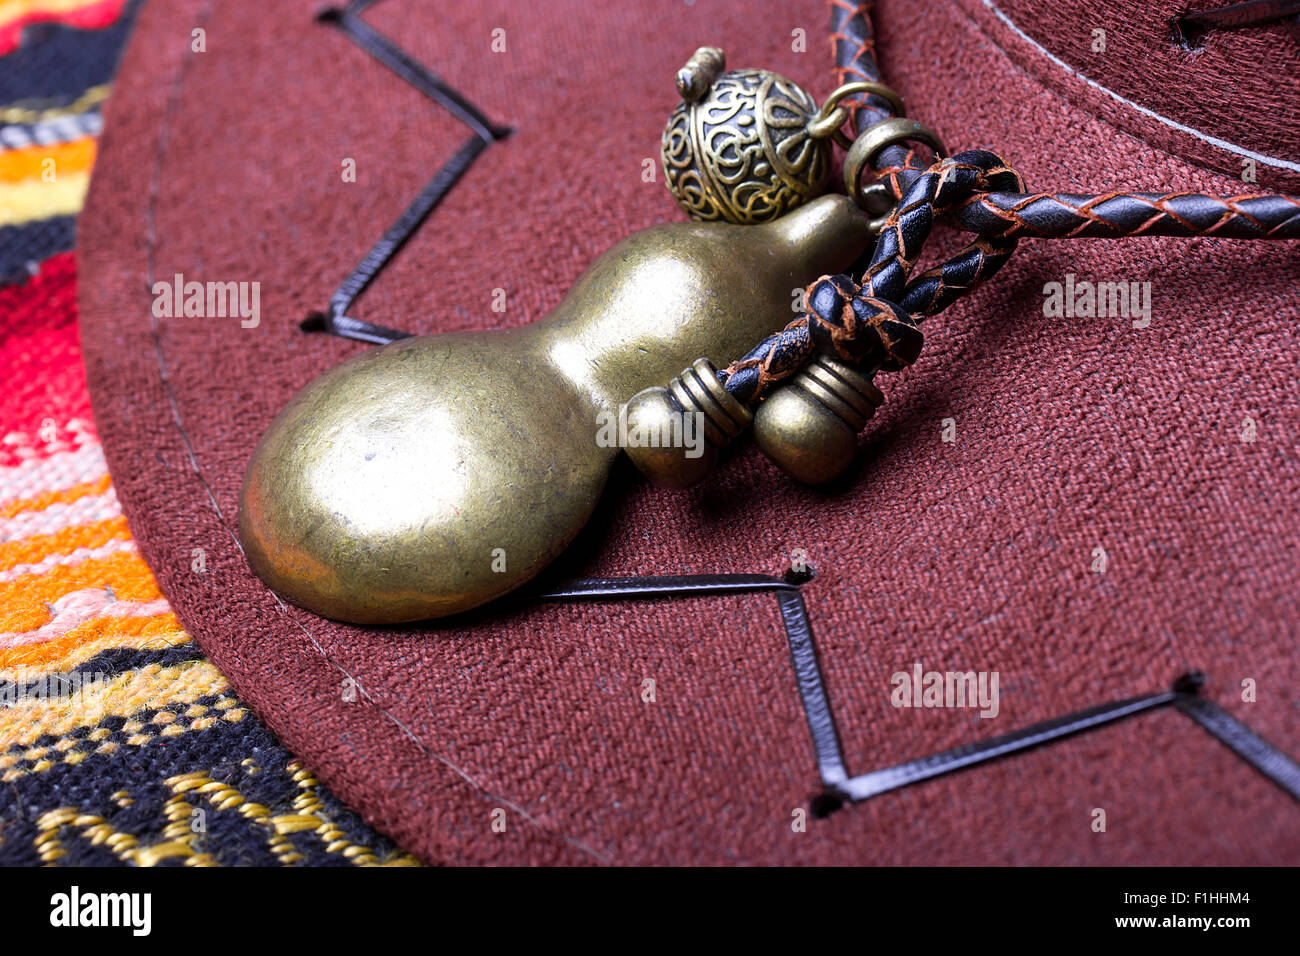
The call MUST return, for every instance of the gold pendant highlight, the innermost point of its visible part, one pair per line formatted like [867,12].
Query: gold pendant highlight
[434,474]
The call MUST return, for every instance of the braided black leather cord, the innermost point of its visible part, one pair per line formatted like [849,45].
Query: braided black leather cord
[854,47]
[1118,214]
[874,324]
[1044,215]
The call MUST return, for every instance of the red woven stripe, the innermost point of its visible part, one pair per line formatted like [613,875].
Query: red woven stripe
[40,364]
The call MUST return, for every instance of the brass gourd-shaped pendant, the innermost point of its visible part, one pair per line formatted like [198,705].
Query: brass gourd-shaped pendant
[398,485]
[436,473]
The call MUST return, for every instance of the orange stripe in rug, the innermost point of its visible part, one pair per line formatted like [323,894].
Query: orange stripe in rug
[58,516]
[76,612]
[47,498]
[37,162]
[29,661]
[38,547]
[24,603]
[75,557]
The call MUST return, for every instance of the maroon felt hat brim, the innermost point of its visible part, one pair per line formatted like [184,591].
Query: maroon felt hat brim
[1072,434]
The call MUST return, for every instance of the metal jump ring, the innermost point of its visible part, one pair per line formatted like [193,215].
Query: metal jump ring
[868,146]
[832,116]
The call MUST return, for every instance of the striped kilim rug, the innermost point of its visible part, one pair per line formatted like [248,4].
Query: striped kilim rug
[119,742]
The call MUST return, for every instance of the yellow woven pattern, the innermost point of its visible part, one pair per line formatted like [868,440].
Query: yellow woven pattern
[181,839]
[65,603]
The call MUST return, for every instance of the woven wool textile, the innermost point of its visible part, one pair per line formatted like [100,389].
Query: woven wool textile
[114,727]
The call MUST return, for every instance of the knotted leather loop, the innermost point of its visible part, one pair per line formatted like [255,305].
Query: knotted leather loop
[864,331]
[873,324]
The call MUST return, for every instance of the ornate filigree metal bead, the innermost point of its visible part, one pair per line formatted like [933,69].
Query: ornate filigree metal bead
[740,149]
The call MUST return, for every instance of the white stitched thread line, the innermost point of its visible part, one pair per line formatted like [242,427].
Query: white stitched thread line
[1203,136]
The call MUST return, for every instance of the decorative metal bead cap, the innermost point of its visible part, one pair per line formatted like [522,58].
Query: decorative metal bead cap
[809,427]
[696,393]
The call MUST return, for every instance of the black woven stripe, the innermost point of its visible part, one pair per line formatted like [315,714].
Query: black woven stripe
[240,753]
[54,64]
[110,726]
[23,248]
[111,663]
